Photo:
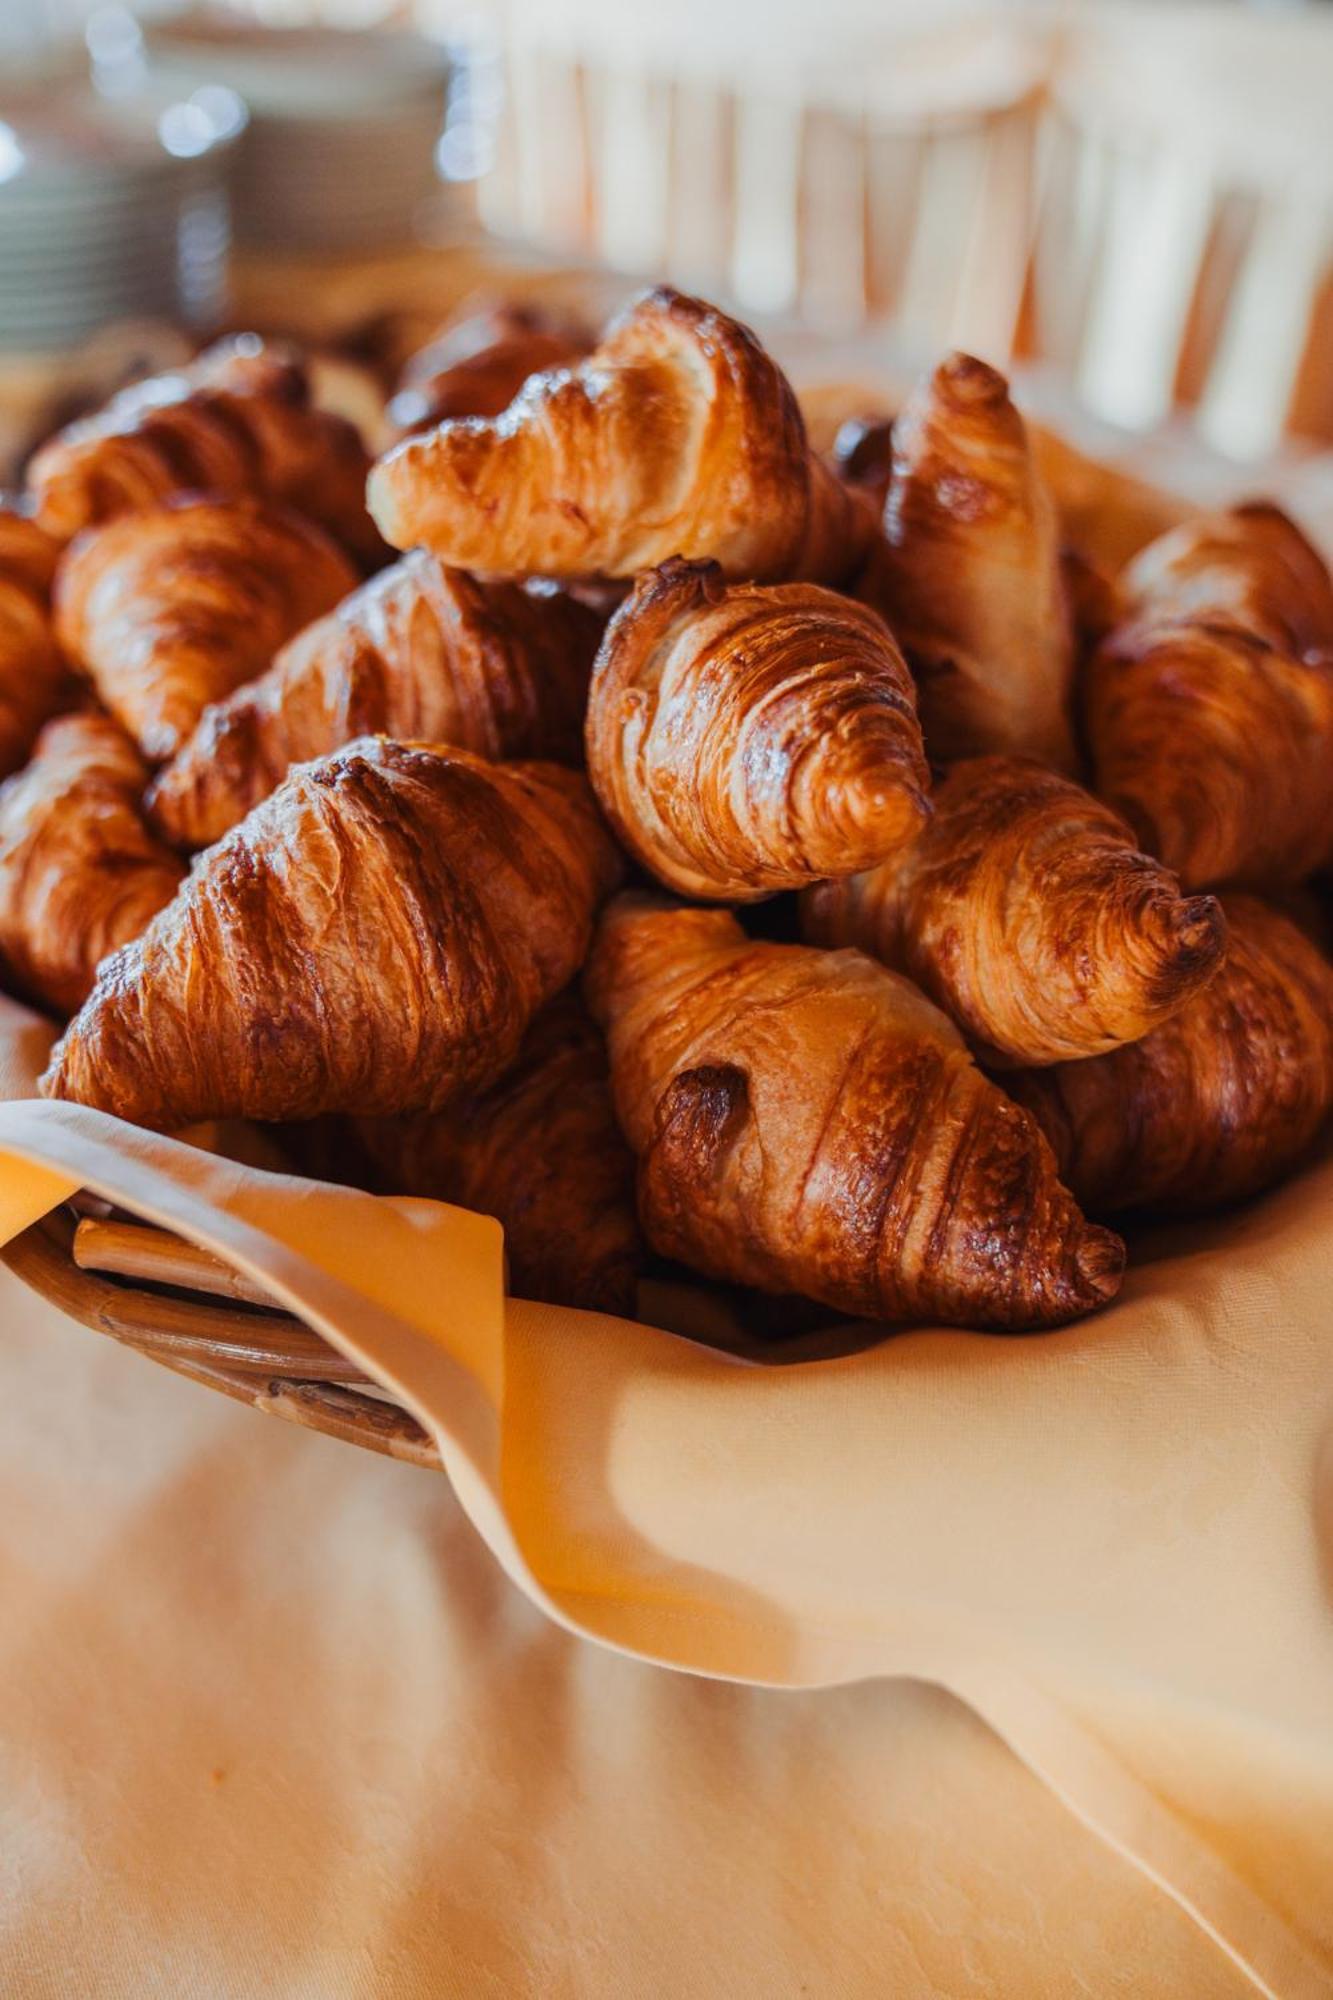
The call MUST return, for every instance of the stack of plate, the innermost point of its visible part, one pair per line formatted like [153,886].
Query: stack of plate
[340,151]
[110,211]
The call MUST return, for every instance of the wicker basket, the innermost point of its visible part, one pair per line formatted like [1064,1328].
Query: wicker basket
[191,1312]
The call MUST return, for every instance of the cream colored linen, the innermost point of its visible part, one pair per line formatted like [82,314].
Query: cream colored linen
[1112,1542]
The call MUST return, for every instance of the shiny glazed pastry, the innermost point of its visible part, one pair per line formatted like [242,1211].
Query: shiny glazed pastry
[32,673]
[374,938]
[1221,1101]
[170,609]
[477,366]
[238,420]
[678,435]
[751,738]
[80,872]
[1027,912]
[807,1121]
[1209,711]
[969,574]
[541,1151]
[419,652]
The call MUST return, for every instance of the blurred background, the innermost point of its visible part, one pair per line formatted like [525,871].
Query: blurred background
[1129,200]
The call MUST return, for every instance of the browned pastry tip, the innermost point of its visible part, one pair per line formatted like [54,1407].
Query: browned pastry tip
[419,652]
[80,873]
[1209,710]
[373,939]
[1105,514]
[678,435]
[239,420]
[968,574]
[1025,910]
[172,608]
[808,1122]
[541,1151]
[1222,1100]
[749,738]
[476,366]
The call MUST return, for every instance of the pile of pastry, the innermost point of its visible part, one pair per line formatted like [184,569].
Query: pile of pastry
[853,875]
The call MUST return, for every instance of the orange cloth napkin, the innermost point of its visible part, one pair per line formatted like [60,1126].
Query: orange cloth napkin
[1114,1543]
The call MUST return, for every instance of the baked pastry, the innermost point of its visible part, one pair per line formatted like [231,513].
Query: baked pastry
[1209,710]
[678,435]
[969,574]
[32,673]
[750,738]
[863,455]
[170,609]
[807,1121]
[1105,514]
[542,1152]
[238,420]
[374,938]
[476,367]
[1026,911]
[80,873]
[419,652]
[1220,1101]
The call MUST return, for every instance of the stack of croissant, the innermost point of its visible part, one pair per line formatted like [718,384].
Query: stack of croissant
[853,877]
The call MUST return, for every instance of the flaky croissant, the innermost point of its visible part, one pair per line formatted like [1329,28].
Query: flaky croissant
[807,1121]
[1209,710]
[751,738]
[1220,1101]
[32,673]
[477,366]
[541,1151]
[418,652]
[80,873]
[239,420]
[374,938]
[678,435]
[1026,911]
[969,573]
[170,609]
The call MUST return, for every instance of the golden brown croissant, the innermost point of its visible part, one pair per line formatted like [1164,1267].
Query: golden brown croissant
[374,938]
[477,366]
[418,652]
[239,420]
[32,673]
[745,739]
[677,436]
[172,608]
[541,1151]
[80,873]
[1220,1101]
[1106,514]
[807,1121]
[1209,711]
[1026,911]
[969,575]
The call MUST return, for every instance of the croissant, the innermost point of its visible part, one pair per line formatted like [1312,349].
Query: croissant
[540,1150]
[1209,710]
[80,874]
[418,652]
[239,420]
[1105,514]
[1220,1101]
[1025,910]
[969,576]
[477,366]
[32,674]
[747,738]
[677,436]
[170,609]
[807,1121]
[374,938]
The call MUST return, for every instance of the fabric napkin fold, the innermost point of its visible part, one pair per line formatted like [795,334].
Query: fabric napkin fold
[1114,1542]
